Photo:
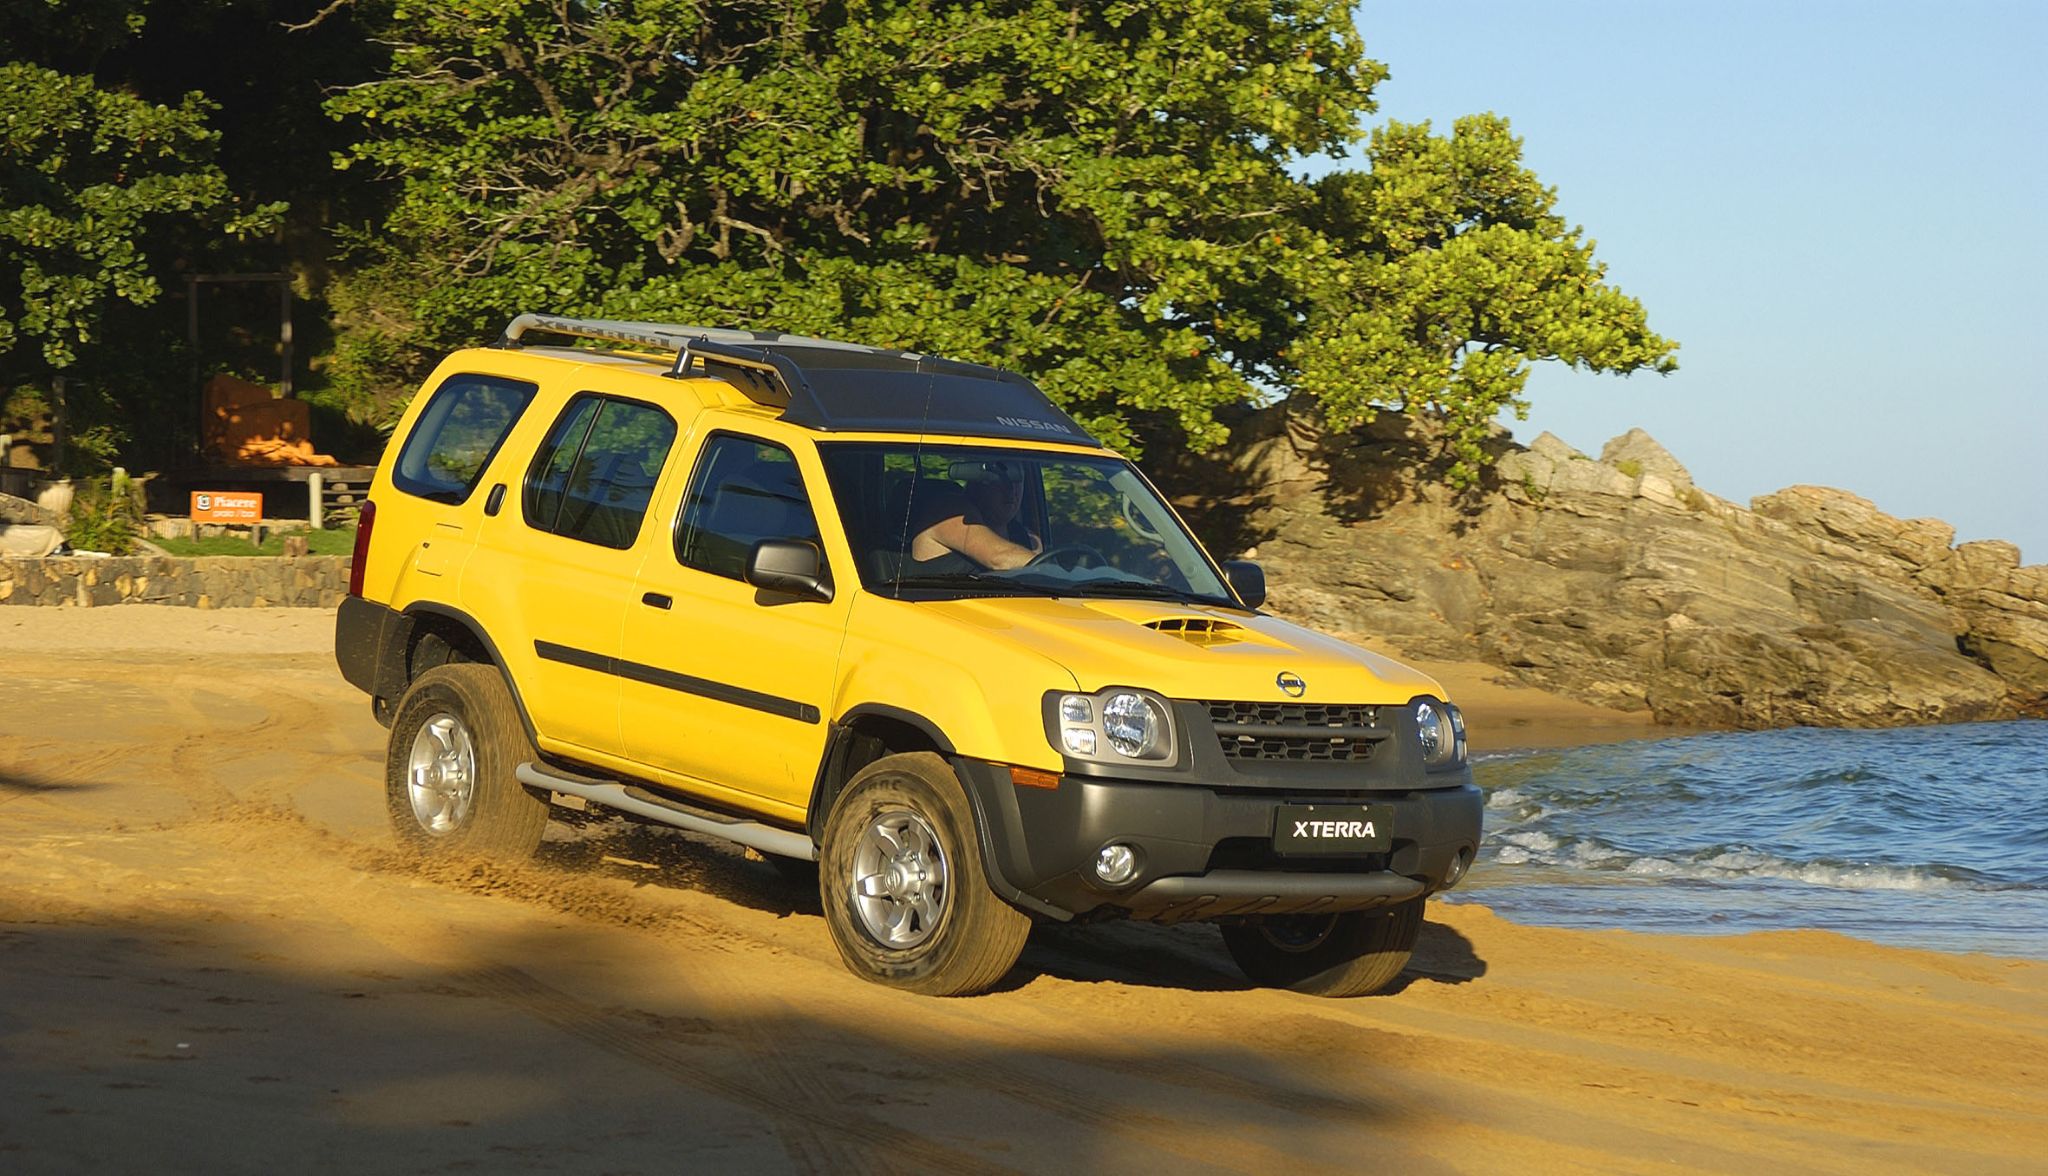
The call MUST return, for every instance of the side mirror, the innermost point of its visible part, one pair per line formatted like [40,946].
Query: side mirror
[791,567]
[1247,579]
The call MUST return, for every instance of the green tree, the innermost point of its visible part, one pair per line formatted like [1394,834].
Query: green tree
[1086,192]
[1104,195]
[1447,272]
[84,175]
[91,182]
[104,92]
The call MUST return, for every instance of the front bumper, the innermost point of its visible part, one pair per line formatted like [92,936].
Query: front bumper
[1205,851]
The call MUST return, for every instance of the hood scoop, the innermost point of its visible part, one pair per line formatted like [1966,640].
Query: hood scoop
[1206,632]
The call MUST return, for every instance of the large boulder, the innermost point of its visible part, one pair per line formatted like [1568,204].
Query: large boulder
[1920,547]
[1620,582]
[1636,453]
[25,512]
[29,540]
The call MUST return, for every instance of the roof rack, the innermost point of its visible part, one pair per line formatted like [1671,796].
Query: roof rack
[835,387]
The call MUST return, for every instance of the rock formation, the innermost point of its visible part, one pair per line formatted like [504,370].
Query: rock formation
[1619,581]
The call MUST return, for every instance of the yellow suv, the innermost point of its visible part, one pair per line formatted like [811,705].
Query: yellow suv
[895,615]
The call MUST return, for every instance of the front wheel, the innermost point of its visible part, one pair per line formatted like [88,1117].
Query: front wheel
[1350,954]
[449,787]
[901,879]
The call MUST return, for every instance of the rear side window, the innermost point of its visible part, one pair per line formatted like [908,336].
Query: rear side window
[458,434]
[595,474]
[743,491]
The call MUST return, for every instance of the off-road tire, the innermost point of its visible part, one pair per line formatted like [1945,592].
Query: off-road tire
[974,938]
[502,817]
[1349,954]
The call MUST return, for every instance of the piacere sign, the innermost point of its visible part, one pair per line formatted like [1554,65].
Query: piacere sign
[223,506]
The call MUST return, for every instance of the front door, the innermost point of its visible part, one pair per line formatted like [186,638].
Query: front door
[726,688]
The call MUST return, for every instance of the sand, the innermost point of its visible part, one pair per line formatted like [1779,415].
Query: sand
[212,959]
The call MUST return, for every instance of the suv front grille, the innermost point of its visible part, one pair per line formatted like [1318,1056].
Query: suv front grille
[1334,732]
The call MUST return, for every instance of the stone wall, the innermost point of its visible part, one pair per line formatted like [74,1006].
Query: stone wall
[210,582]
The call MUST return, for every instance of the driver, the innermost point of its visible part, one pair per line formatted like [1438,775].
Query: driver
[967,530]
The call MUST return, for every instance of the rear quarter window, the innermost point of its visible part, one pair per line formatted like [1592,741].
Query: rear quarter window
[454,439]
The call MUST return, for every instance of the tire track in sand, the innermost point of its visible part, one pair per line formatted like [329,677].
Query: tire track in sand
[800,1103]
[833,1140]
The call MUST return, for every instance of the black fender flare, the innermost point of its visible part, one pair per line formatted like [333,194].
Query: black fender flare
[831,776]
[996,823]
[373,644]
[490,647]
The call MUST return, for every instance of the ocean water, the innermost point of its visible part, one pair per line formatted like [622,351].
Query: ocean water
[1930,837]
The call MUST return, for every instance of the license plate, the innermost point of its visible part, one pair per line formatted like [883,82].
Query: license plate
[1325,829]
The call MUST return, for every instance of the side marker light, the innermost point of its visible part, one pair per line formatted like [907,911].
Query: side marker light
[1033,778]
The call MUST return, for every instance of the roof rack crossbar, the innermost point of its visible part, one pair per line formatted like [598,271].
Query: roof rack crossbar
[689,343]
[830,385]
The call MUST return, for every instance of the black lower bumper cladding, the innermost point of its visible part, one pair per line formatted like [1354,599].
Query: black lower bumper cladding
[1206,852]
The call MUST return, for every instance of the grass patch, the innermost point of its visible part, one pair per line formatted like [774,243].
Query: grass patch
[341,541]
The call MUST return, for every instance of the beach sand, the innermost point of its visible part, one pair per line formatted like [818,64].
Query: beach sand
[211,958]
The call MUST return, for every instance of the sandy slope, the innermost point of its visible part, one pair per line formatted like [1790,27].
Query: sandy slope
[211,959]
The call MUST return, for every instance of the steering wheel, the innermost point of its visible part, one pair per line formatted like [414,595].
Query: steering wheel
[1076,553]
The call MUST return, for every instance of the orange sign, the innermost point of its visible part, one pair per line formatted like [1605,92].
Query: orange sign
[226,506]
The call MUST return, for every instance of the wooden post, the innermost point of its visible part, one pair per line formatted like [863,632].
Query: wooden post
[57,429]
[192,345]
[284,331]
[315,486]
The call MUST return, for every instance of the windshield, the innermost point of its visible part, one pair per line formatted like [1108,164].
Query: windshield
[954,520]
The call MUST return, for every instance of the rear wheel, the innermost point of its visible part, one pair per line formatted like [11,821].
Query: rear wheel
[902,883]
[1349,954]
[448,774]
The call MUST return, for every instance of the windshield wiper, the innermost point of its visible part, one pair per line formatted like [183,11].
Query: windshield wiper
[973,580]
[1137,591]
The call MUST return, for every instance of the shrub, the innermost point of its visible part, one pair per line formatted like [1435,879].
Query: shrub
[106,515]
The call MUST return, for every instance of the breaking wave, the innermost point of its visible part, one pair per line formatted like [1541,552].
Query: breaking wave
[1845,830]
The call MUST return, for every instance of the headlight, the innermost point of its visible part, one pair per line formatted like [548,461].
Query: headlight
[1117,725]
[1134,725]
[1441,728]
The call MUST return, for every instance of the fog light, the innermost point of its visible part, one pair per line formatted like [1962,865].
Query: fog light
[1116,864]
[1459,865]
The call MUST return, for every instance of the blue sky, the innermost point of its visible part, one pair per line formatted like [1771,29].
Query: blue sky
[1836,208]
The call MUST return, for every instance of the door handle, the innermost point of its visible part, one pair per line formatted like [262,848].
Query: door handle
[495,500]
[657,599]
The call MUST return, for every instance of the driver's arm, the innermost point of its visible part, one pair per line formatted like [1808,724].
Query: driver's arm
[980,544]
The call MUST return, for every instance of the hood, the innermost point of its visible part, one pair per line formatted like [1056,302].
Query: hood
[1188,651]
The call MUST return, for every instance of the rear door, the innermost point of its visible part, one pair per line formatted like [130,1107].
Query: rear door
[556,560]
[726,686]
[449,450]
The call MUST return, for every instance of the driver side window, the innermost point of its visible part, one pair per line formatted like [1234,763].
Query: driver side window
[743,491]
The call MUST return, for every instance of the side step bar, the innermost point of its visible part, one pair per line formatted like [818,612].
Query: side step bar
[639,802]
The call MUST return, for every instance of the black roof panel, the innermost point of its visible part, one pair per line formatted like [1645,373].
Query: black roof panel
[844,387]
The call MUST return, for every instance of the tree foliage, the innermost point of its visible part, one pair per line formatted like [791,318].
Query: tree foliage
[86,177]
[1448,272]
[1112,196]
[1089,193]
